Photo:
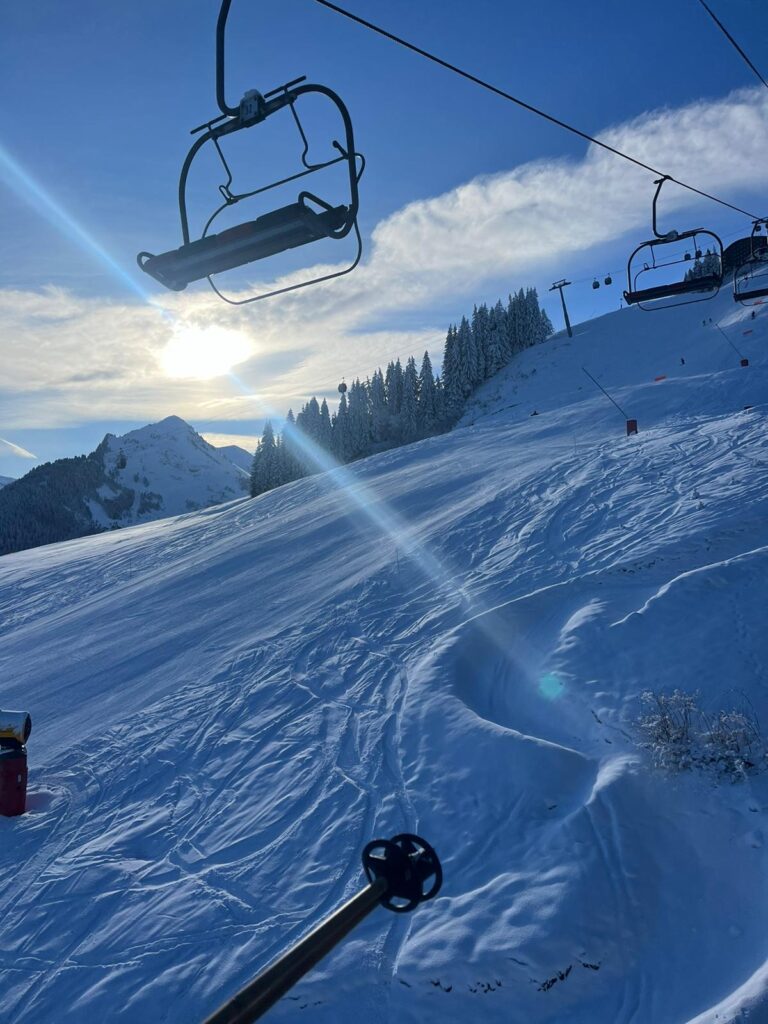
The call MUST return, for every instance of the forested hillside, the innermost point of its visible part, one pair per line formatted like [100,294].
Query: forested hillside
[398,406]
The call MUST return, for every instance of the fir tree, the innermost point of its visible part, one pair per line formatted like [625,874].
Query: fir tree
[440,414]
[427,416]
[476,370]
[359,433]
[497,348]
[264,469]
[378,401]
[340,437]
[324,437]
[454,390]
[292,455]
[409,408]
[394,386]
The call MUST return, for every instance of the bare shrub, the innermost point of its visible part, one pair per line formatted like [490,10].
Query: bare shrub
[680,736]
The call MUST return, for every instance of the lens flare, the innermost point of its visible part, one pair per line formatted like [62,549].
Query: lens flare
[551,687]
[32,192]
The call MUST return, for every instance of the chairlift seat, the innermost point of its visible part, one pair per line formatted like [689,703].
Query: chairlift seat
[755,293]
[709,282]
[275,232]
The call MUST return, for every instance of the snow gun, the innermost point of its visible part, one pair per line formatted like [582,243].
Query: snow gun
[15,726]
[402,872]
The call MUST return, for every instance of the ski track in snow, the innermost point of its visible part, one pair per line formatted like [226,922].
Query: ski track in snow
[228,705]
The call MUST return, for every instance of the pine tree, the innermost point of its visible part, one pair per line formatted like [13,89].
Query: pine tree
[341,446]
[468,361]
[324,433]
[263,469]
[477,360]
[294,461]
[496,352]
[440,414]
[394,385]
[359,434]
[379,415]
[454,391]
[513,326]
[532,317]
[427,416]
[546,330]
[410,405]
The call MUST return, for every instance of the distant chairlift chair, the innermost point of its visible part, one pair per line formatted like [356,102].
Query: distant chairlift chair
[309,219]
[750,280]
[649,257]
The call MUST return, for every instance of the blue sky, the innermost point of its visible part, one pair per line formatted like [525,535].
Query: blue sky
[464,197]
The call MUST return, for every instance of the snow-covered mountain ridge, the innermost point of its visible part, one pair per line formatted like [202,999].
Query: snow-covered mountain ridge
[160,470]
[448,638]
[6,480]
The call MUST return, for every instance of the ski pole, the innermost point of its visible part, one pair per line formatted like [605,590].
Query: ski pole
[398,871]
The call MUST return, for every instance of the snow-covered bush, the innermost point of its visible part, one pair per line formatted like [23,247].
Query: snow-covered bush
[680,736]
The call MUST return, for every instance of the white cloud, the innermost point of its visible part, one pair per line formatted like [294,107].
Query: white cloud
[98,359]
[246,441]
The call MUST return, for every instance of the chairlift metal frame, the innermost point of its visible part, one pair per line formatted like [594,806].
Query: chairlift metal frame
[285,228]
[710,282]
[758,257]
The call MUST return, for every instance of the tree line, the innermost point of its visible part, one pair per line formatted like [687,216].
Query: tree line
[399,405]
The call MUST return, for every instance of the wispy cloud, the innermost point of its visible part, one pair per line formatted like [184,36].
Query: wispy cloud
[15,449]
[246,441]
[101,359]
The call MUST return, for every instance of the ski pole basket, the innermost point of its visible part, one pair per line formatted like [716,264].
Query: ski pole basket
[402,872]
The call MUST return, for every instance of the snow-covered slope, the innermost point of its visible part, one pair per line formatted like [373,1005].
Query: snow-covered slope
[161,470]
[6,480]
[448,638]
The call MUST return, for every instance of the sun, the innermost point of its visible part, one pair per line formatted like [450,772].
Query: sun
[204,352]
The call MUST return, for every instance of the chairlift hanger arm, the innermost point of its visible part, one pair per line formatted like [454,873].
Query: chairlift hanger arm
[221,25]
[669,236]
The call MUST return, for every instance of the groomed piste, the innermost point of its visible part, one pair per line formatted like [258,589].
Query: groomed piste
[450,638]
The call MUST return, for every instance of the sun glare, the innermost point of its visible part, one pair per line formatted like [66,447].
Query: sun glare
[204,352]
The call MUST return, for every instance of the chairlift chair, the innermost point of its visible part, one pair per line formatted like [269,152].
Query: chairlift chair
[595,283]
[649,257]
[309,219]
[750,280]
[608,279]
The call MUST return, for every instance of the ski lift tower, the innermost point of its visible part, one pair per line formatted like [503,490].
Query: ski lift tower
[559,285]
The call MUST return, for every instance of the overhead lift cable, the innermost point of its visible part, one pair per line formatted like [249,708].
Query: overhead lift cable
[730,38]
[521,103]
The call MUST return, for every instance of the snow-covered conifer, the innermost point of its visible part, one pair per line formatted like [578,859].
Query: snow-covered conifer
[477,352]
[426,409]
[324,427]
[378,401]
[496,346]
[409,408]
[263,468]
[341,446]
